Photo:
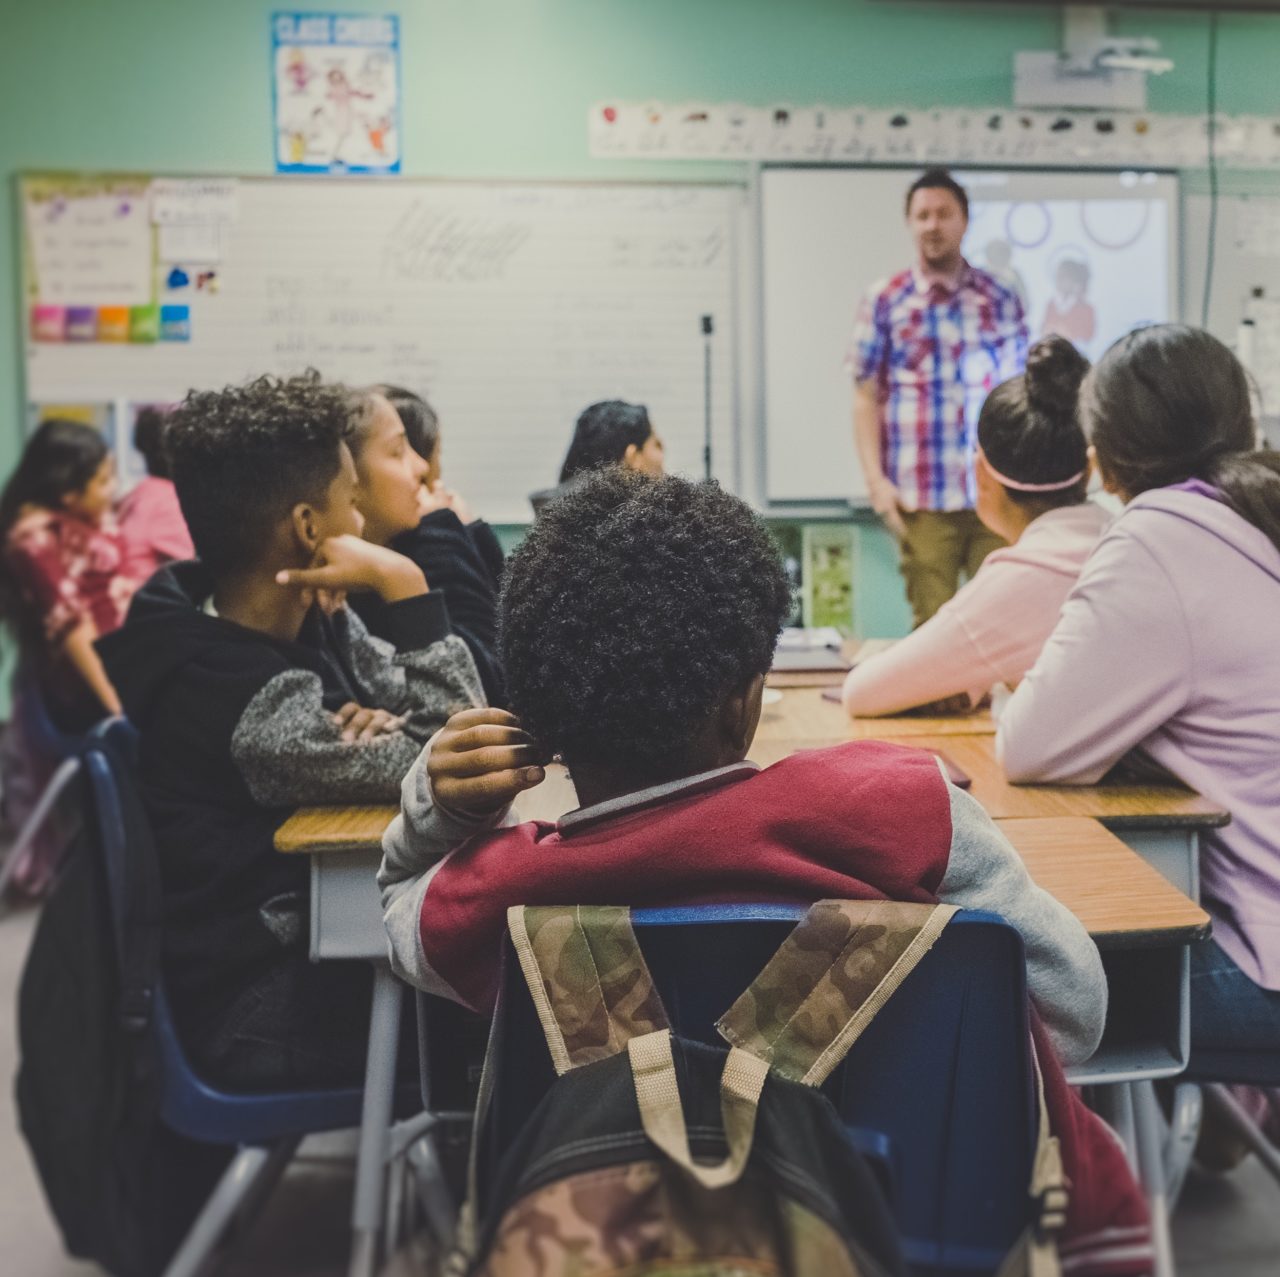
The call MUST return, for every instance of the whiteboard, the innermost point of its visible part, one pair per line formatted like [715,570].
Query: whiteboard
[828,234]
[511,307]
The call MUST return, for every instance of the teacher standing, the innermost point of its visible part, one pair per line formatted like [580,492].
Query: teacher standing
[928,346]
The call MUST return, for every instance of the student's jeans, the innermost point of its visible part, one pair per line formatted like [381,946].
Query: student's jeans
[1228,1011]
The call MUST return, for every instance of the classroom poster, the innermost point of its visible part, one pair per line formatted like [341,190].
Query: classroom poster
[336,90]
[89,242]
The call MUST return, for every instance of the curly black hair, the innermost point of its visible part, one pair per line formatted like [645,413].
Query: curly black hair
[632,609]
[244,456]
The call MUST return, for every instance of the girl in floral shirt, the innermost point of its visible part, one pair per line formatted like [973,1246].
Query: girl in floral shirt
[62,584]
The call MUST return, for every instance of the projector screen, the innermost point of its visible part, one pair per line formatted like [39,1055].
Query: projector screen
[1092,255]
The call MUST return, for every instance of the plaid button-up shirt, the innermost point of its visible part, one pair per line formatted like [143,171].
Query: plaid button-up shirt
[934,354]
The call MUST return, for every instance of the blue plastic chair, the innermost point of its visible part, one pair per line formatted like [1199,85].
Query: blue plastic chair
[42,737]
[938,1091]
[265,1128]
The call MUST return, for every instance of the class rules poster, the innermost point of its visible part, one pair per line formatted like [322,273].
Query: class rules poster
[336,90]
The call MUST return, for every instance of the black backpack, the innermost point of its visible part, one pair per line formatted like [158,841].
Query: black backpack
[123,1188]
[654,1153]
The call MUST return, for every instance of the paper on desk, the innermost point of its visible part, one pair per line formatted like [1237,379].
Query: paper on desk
[793,638]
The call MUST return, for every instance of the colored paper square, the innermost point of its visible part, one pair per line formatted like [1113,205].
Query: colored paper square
[82,323]
[175,323]
[49,323]
[113,323]
[144,323]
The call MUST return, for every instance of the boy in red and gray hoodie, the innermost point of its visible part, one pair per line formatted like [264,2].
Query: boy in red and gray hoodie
[638,620]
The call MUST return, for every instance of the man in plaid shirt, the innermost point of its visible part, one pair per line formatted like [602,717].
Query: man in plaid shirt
[929,344]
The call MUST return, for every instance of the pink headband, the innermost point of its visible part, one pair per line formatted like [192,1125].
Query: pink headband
[1018,486]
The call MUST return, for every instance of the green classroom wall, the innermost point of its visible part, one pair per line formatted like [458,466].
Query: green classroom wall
[499,88]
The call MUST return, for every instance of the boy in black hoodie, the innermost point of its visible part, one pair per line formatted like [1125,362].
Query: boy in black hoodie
[255,691]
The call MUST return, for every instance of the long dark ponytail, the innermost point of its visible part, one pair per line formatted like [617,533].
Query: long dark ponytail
[1170,403]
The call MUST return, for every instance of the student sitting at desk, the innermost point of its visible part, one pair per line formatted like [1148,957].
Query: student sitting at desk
[405,508]
[1032,472]
[1168,645]
[639,618]
[610,433]
[250,699]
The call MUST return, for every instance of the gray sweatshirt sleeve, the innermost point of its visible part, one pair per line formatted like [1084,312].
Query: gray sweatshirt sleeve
[1064,970]
[415,844]
[291,752]
[426,672]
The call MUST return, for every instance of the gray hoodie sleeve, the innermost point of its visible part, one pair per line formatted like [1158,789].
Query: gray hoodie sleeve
[1064,970]
[291,752]
[413,847]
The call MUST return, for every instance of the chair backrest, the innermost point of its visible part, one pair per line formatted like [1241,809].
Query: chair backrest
[189,1105]
[40,733]
[939,1087]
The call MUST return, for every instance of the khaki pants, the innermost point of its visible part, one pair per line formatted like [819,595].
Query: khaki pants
[939,545]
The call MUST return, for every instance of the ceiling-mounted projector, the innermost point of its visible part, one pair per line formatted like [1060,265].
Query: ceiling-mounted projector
[1092,69]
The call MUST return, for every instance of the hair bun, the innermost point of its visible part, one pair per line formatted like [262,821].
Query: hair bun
[1055,369]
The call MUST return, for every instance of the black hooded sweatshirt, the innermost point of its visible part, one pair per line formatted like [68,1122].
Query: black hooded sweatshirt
[464,560]
[236,730]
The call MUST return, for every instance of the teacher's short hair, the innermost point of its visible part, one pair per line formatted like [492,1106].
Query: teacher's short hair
[937,179]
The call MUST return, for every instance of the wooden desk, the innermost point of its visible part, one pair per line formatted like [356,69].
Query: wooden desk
[1121,900]
[804,714]
[1118,806]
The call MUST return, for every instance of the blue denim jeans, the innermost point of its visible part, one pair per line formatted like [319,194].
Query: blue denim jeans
[1228,1011]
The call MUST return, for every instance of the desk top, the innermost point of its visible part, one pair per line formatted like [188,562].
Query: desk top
[1118,806]
[1120,899]
[318,829]
[804,714]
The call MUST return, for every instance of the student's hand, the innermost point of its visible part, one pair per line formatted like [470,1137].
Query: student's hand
[349,563]
[480,761]
[438,497]
[360,724]
[885,502]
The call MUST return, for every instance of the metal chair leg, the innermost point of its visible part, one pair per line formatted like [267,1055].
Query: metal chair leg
[1184,1130]
[67,771]
[235,1186]
[375,1122]
[1148,1128]
[1220,1100]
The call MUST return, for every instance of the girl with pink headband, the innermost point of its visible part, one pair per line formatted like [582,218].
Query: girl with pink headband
[1032,471]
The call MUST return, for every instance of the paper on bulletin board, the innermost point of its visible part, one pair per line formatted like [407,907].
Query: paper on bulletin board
[336,82]
[90,241]
[1258,226]
[187,201]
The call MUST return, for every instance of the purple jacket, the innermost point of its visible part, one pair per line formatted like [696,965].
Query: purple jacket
[1171,642]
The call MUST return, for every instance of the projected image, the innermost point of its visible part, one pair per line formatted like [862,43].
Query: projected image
[1089,270]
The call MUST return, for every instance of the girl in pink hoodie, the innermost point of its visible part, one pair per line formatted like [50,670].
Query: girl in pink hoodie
[1032,471]
[1168,645]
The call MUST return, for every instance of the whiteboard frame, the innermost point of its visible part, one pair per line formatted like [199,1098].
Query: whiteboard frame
[826,508]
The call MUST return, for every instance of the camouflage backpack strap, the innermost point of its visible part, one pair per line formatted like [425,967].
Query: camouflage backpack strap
[833,973]
[1035,1253]
[587,978]
[658,1095]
